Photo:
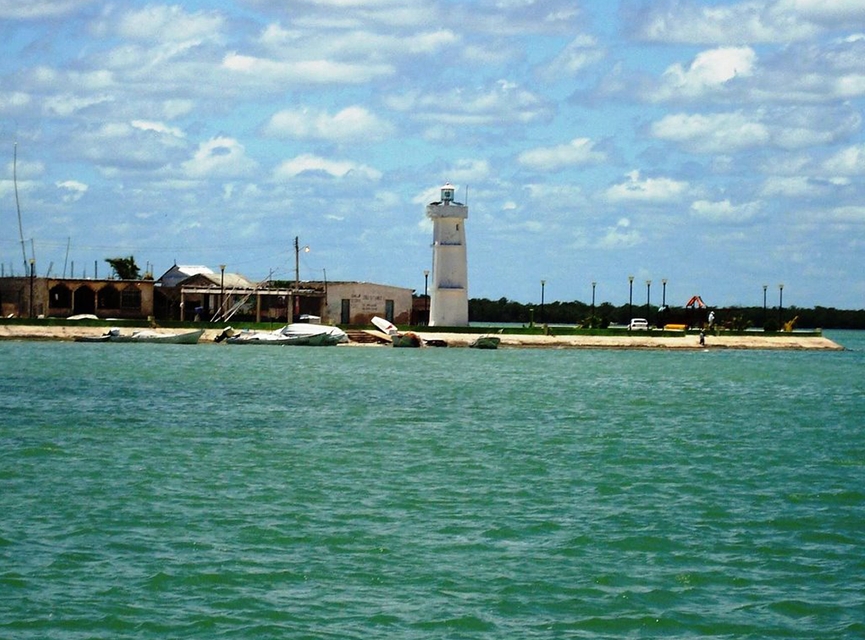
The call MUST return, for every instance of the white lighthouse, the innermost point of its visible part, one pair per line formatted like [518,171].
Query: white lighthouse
[449,300]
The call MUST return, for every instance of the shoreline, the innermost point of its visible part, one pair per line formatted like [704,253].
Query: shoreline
[643,340]
[648,341]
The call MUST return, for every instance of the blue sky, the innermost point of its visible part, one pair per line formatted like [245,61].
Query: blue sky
[718,145]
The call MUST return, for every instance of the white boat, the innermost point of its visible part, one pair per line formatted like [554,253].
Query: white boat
[398,339]
[334,335]
[145,335]
[273,338]
[295,334]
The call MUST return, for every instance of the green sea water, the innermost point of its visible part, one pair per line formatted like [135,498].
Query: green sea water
[168,491]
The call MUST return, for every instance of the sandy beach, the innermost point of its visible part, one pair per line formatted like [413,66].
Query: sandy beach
[645,340]
[636,340]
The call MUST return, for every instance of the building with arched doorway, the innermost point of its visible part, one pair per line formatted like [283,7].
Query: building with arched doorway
[63,297]
[201,294]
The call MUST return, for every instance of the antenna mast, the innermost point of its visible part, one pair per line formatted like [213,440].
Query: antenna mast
[66,259]
[17,204]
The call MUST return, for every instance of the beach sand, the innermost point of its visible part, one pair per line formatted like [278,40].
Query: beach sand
[645,340]
[636,340]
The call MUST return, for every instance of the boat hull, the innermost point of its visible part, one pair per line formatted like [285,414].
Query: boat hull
[299,334]
[486,342]
[146,337]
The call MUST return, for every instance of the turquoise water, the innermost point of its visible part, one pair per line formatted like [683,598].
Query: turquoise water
[166,491]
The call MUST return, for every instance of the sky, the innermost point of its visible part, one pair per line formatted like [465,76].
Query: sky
[717,145]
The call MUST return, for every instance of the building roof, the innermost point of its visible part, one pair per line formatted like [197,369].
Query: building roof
[179,273]
[228,280]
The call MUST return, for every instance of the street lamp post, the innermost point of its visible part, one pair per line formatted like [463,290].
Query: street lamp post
[297,249]
[630,300]
[662,317]
[426,295]
[765,287]
[593,297]
[648,301]
[780,305]
[543,284]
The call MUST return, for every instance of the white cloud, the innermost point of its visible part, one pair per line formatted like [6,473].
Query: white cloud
[801,137]
[841,12]
[649,190]
[849,161]
[577,152]
[169,24]
[582,52]
[465,171]
[219,157]
[791,187]
[695,22]
[723,210]
[715,133]
[64,105]
[432,41]
[308,163]
[500,105]
[158,127]
[708,72]
[353,123]
[11,101]
[854,214]
[620,235]
[545,193]
[851,85]
[26,169]
[172,109]
[308,71]
[36,9]
[355,41]
[73,190]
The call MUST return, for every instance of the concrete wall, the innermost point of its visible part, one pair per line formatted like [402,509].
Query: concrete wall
[366,300]
[63,297]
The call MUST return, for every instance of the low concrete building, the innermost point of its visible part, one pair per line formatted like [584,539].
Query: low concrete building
[355,303]
[202,294]
[198,292]
[63,297]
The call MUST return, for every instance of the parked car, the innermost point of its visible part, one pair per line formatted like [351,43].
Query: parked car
[638,324]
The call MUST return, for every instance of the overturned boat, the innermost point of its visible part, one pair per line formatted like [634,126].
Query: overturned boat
[398,339]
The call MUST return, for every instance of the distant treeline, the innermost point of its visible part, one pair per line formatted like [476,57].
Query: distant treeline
[604,314]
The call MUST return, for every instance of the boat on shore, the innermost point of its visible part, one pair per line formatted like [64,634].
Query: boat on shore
[261,338]
[145,336]
[398,339]
[295,334]
[485,342]
[408,339]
